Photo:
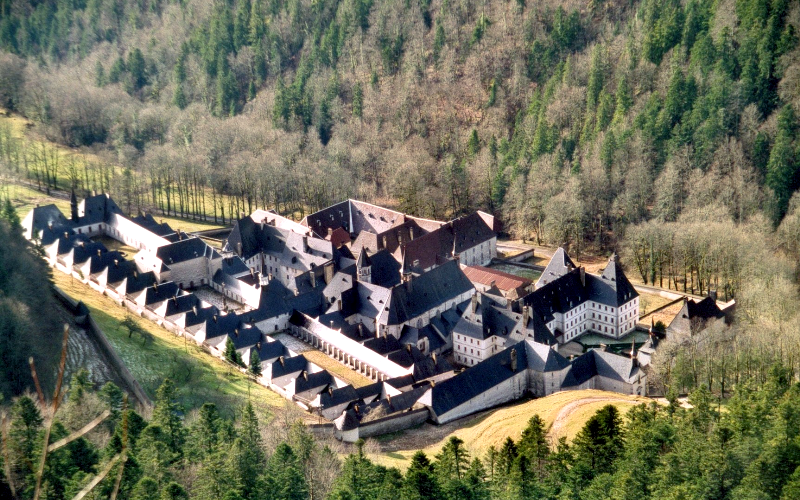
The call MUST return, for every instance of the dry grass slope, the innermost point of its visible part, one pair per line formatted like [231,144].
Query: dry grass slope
[564,414]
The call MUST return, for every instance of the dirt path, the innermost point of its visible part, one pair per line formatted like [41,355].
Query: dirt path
[557,429]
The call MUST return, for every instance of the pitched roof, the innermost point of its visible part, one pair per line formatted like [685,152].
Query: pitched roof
[95,209]
[476,380]
[559,265]
[616,280]
[425,292]
[489,277]
[148,222]
[602,363]
[184,250]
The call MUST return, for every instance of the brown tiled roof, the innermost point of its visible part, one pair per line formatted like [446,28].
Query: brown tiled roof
[486,276]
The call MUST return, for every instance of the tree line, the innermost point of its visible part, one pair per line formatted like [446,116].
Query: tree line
[751,450]
[571,121]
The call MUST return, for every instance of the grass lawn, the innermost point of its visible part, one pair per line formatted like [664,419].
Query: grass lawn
[200,377]
[650,301]
[336,369]
[571,409]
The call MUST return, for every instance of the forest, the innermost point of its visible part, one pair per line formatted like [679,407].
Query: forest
[749,451]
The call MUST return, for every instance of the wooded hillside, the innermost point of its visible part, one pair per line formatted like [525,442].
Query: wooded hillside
[569,119]
[662,129]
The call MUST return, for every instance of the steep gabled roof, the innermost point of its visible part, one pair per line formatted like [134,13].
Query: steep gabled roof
[600,363]
[560,264]
[182,251]
[95,209]
[616,280]
[503,281]
[476,380]
[425,292]
[469,231]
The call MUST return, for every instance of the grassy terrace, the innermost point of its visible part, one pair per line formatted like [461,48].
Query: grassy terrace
[336,369]
[564,414]
[199,376]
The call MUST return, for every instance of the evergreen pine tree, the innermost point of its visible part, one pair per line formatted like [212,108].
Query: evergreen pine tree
[358,100]
[230,350]
[167,414]
[255,363]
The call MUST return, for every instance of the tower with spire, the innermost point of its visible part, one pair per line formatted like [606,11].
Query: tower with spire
[73,206]
[364,266]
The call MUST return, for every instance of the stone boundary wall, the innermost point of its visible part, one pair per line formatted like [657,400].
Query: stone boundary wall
[108,351]
[386,425]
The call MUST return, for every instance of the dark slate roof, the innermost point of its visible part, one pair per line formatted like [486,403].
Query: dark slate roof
[558,296]
[308,385]
[370,391]
[183,250]
[200,315]
[46,215]
[705,309]
[431,366]
[469,231]
[333,217]
[67,242]
[602,363]
[181,304]
[98,263]
[542,358]
[269,352]
[476,380]
[120,270]
[160,293]
[385,270]
[83,252]
[139,281]
[290,368]
[615,279]
[429,290]
[335,397]
[403,381]
[148,222]
[96,209]
[383,345]
[559,265]
[429,250]
[221,324]
[407,356]
[245,336]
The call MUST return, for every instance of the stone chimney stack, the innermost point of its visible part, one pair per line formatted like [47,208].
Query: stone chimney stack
[525,316]
[583,276]
[514,360]
[474,303]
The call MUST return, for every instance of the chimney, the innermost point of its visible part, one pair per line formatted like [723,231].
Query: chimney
[435,361]
[239,248]
[330,391]
[389,400]
[175,299]
[236,332]
[214,318]
[252,272]
[474,303]
[603,347]
[262,223]
[305,244]
[258,346]
[305,375]
[99,253]
[116,263]
[281,360]
[194,310]
[409,285]
[328,269]
[241,215]
[313,279]
[360,330]
[583,276]
[66,234]
[339,304]
[408,348]
[411,232]
[513,360]
[525,316]
[330,232]
[155,286]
